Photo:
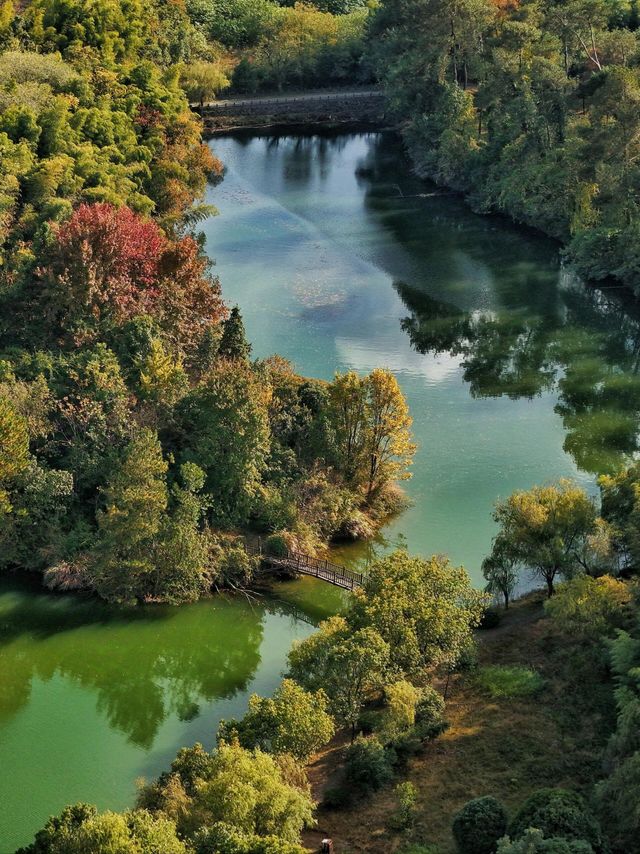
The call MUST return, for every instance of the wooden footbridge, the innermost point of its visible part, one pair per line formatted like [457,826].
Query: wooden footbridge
[297,563]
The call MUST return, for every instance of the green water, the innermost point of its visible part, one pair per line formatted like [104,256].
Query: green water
[93,698]
[515,374]
[514,371]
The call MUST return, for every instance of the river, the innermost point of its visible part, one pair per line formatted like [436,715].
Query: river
[338,258]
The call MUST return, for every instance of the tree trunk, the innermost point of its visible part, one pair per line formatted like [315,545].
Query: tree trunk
[549,580]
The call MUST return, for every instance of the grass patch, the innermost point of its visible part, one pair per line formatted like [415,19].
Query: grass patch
[505,682]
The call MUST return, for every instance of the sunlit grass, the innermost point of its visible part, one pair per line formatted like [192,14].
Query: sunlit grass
[506,682]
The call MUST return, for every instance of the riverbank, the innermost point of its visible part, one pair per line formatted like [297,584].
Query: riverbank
[505,747]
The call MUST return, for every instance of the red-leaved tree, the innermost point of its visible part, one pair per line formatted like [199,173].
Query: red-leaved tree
[107,265]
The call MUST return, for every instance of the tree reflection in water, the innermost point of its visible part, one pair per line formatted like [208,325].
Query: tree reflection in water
[142,665]
[586,350]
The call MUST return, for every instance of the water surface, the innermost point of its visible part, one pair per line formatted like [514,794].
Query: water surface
[514,371]
[92,697]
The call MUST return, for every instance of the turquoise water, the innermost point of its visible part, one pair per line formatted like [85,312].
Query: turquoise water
[514,371]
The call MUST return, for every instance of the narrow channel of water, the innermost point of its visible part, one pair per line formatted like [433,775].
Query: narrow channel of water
[339,259]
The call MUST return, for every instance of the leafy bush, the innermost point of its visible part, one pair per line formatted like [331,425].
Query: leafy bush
[276,545]
[586,606]
[367,766]
[429,718]
[490,619]
[533,842]
[558,812]
[405,815]
[225,839]
[479,825]
[500,681]
[336,797]
[617,802]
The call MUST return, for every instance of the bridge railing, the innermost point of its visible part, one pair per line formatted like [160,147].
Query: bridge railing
[324,569]
[318,567]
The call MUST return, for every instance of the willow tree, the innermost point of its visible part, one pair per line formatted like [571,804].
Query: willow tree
[547,529]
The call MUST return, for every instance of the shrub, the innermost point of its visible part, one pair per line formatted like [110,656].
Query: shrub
[429,719]
[533,842]
[401,700]
[402,748]
[336,797]
[369,721]
[490,619]
[367,766]
[558,812]
[276,545]
[479,825]
[236,566]
[499,681]
[405,815]
[617,801]
[588,607]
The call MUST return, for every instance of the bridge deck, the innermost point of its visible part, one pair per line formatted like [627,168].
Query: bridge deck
[298,563]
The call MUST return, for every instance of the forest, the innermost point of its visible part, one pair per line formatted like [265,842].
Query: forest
[142,447]
[139,437]
[530,109]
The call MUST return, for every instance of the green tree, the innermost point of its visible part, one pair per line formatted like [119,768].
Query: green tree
[479,825]
[546,529]
[346,664]
[620,495]
[14,450]
[181,552]
[425,610]
[534,842]
[202,81]
[558,812]
[234,344]
[225,431]
[135,500]
[589,607]
[246,790]
[292,721]
[81,830]
[389,447]
[500,570]
[401,702]
[617,803]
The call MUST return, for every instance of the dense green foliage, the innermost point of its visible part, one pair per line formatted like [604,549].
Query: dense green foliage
[558,813]
[479,825]
[80,829]
[529,108]
[136,435]
[292,721]
[534,842]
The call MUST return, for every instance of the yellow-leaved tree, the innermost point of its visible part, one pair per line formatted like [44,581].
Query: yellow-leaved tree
[373,429]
